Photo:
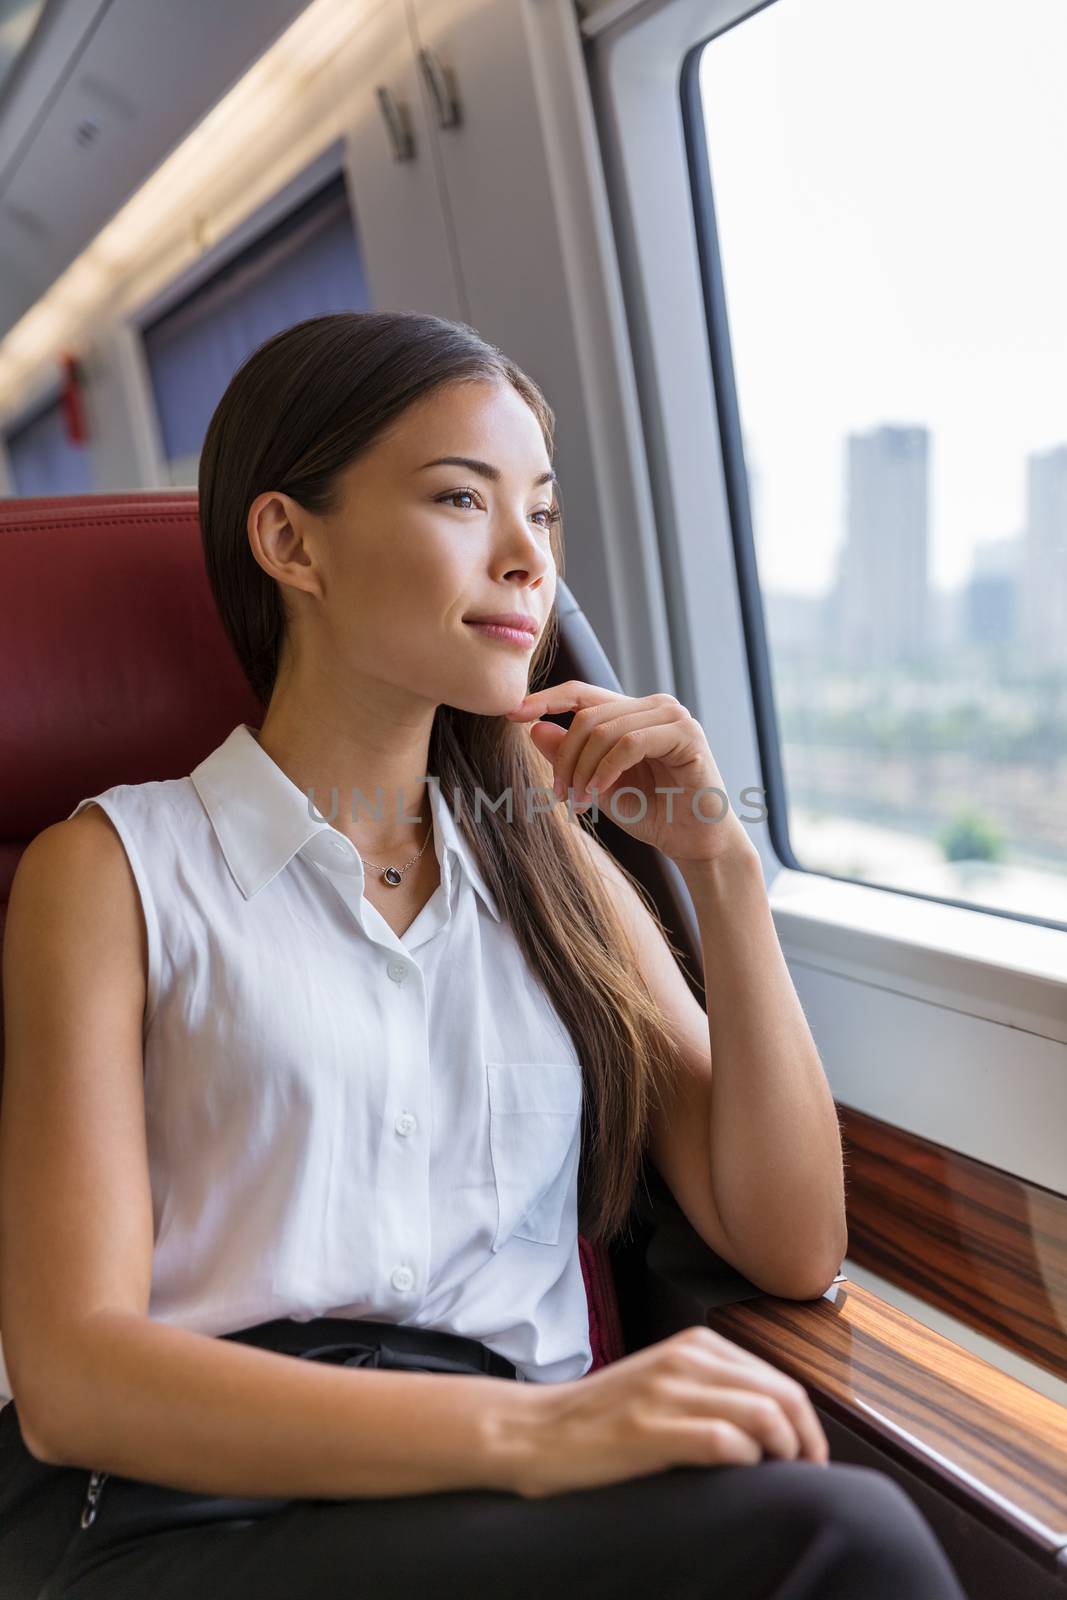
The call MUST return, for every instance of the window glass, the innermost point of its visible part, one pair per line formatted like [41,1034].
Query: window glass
[306,265]
[893,259]
[44,460]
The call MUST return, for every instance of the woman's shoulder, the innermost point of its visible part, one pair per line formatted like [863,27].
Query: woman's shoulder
[156,795]
[148,814]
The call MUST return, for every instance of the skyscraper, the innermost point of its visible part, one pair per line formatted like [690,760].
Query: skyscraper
[991,595]
[1043,591]
[880,602]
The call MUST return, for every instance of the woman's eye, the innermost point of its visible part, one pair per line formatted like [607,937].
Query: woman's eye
[550,514]
[457,494]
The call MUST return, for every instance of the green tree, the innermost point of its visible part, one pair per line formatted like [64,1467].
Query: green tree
[970,836]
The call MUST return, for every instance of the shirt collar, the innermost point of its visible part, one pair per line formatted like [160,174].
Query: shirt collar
[261,819]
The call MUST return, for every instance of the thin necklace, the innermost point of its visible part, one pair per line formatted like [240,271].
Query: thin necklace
[393,875]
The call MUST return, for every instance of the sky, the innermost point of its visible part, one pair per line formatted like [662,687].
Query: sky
[888,179]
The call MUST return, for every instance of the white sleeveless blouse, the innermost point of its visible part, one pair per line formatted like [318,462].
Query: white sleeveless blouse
[340,1121]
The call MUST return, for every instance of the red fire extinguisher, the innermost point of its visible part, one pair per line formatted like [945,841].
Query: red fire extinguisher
[73,406]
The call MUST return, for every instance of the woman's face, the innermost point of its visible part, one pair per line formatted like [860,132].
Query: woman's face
[415,549]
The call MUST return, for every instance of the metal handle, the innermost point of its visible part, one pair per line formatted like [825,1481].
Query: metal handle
[441,82]
[397,123]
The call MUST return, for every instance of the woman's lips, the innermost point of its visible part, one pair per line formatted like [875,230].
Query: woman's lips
[493,630]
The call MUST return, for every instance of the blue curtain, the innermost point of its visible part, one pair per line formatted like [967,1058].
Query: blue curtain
[307,264]
[43,460]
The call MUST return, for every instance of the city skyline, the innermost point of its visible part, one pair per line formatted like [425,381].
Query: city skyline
[1003,554]
[880,607]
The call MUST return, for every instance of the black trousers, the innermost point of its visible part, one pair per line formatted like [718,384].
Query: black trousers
[779,1530]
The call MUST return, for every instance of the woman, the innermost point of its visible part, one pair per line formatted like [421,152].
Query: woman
[322,1091]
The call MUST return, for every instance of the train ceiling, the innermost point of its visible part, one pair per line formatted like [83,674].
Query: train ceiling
[99,96]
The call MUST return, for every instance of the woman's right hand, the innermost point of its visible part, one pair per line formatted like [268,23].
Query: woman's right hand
[694,1399]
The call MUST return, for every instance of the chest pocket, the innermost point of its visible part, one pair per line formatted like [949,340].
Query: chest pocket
[535,1118]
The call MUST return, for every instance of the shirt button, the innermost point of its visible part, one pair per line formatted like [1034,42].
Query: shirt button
[404,1122]
[402,1278]
[397,970]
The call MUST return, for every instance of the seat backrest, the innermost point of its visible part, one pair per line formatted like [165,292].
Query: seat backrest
[117,670]
[116,665]
[581,655]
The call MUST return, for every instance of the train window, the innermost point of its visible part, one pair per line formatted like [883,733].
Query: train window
[883,262]
[43,459]
[307,263]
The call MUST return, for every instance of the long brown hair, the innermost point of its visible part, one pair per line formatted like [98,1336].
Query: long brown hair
[298,412]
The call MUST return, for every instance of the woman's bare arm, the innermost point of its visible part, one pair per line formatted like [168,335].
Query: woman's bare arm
[148,1400]
[97,1383]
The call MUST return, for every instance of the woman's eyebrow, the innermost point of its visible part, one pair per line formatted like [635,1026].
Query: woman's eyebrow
[483,468]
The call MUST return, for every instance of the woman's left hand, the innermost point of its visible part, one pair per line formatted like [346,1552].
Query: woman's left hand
[616,742]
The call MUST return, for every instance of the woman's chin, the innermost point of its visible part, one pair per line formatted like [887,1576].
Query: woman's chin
[494,700]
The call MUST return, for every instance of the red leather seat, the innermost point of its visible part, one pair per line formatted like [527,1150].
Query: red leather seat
[117,670]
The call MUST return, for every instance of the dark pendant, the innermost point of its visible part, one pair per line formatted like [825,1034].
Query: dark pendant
[391,875]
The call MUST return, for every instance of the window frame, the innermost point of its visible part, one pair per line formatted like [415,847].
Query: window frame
[643,61]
